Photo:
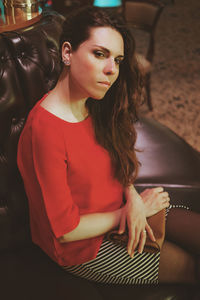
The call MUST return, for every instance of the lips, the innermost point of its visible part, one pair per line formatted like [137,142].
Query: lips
[106,83]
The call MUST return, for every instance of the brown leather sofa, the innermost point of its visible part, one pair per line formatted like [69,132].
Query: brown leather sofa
[29,67]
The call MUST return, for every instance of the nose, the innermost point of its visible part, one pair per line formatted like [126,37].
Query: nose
[110,67]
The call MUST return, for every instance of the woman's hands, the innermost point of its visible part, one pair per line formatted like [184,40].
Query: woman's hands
[154,200]
[134,215]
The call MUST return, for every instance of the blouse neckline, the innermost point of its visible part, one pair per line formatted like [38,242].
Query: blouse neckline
[56,117]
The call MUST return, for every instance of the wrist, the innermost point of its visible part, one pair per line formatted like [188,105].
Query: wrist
[117,214]
[131,194]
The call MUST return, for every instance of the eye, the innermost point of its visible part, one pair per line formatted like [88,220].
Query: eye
[118,60]
[99,53]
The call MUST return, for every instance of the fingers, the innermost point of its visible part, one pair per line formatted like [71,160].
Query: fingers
[164,195]
[134,235]
[160,192]
[135,242]
[138,239]
[131,239]
[166,204]
[165,199]
[142,241]
[122,225]
[159,189]
[150,232]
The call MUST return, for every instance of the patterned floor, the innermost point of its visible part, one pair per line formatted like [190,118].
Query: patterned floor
[176,70]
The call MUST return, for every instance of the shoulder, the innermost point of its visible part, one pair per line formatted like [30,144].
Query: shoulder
[43,127]
[42,136]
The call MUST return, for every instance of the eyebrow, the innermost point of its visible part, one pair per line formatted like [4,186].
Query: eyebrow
[108,51]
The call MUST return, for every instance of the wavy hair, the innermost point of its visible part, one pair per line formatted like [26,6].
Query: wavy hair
[113,117]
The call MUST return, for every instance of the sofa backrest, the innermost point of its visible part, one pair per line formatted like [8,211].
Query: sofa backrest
[29,67]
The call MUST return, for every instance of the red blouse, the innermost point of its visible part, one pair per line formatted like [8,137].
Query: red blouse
[66,174]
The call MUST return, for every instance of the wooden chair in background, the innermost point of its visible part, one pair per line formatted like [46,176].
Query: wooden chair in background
[143,16]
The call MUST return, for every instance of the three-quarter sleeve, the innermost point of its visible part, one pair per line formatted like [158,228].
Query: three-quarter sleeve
[50,165]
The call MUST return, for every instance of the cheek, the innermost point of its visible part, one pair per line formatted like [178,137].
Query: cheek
[91,67]
[87,63]
[87,72]
[116,76]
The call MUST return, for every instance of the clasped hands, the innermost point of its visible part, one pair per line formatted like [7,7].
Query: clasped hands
[135,213]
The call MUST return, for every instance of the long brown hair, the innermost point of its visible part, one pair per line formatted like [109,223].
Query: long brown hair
[114,116]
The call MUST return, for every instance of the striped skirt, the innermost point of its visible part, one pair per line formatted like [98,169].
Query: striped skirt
[114,265]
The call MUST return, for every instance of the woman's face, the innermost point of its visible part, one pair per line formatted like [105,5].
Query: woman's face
[95,64]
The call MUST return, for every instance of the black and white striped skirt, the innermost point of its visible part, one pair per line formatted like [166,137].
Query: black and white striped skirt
[114,265]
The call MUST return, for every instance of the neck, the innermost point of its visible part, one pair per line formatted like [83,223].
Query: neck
[69,98]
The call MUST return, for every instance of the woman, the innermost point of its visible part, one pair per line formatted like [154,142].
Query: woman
[77,159]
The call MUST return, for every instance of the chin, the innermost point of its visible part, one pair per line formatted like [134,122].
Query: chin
[97,97]
[97,94]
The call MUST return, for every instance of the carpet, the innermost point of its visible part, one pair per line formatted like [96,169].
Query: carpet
[176,71]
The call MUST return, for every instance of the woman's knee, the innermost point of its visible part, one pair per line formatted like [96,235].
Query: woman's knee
[176,265]
[181,228]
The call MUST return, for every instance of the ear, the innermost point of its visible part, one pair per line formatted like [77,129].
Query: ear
[66,51]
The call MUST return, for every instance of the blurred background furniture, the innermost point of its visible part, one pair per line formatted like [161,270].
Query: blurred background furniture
[66,6]
[107,3]
[143,16]
[29,67]
[16,14]
[114,6]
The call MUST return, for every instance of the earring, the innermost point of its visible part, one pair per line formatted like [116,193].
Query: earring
[66,62]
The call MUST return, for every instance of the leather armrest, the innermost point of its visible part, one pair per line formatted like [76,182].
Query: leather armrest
[166,159]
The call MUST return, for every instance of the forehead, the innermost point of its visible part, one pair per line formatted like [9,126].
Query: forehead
[106,37]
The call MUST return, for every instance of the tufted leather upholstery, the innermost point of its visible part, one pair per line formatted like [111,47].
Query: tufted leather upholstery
[29,67]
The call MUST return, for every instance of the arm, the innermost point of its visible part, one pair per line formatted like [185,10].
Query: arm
[50,166]
[92,225]
[63,214]
[95,224]
[131,193]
